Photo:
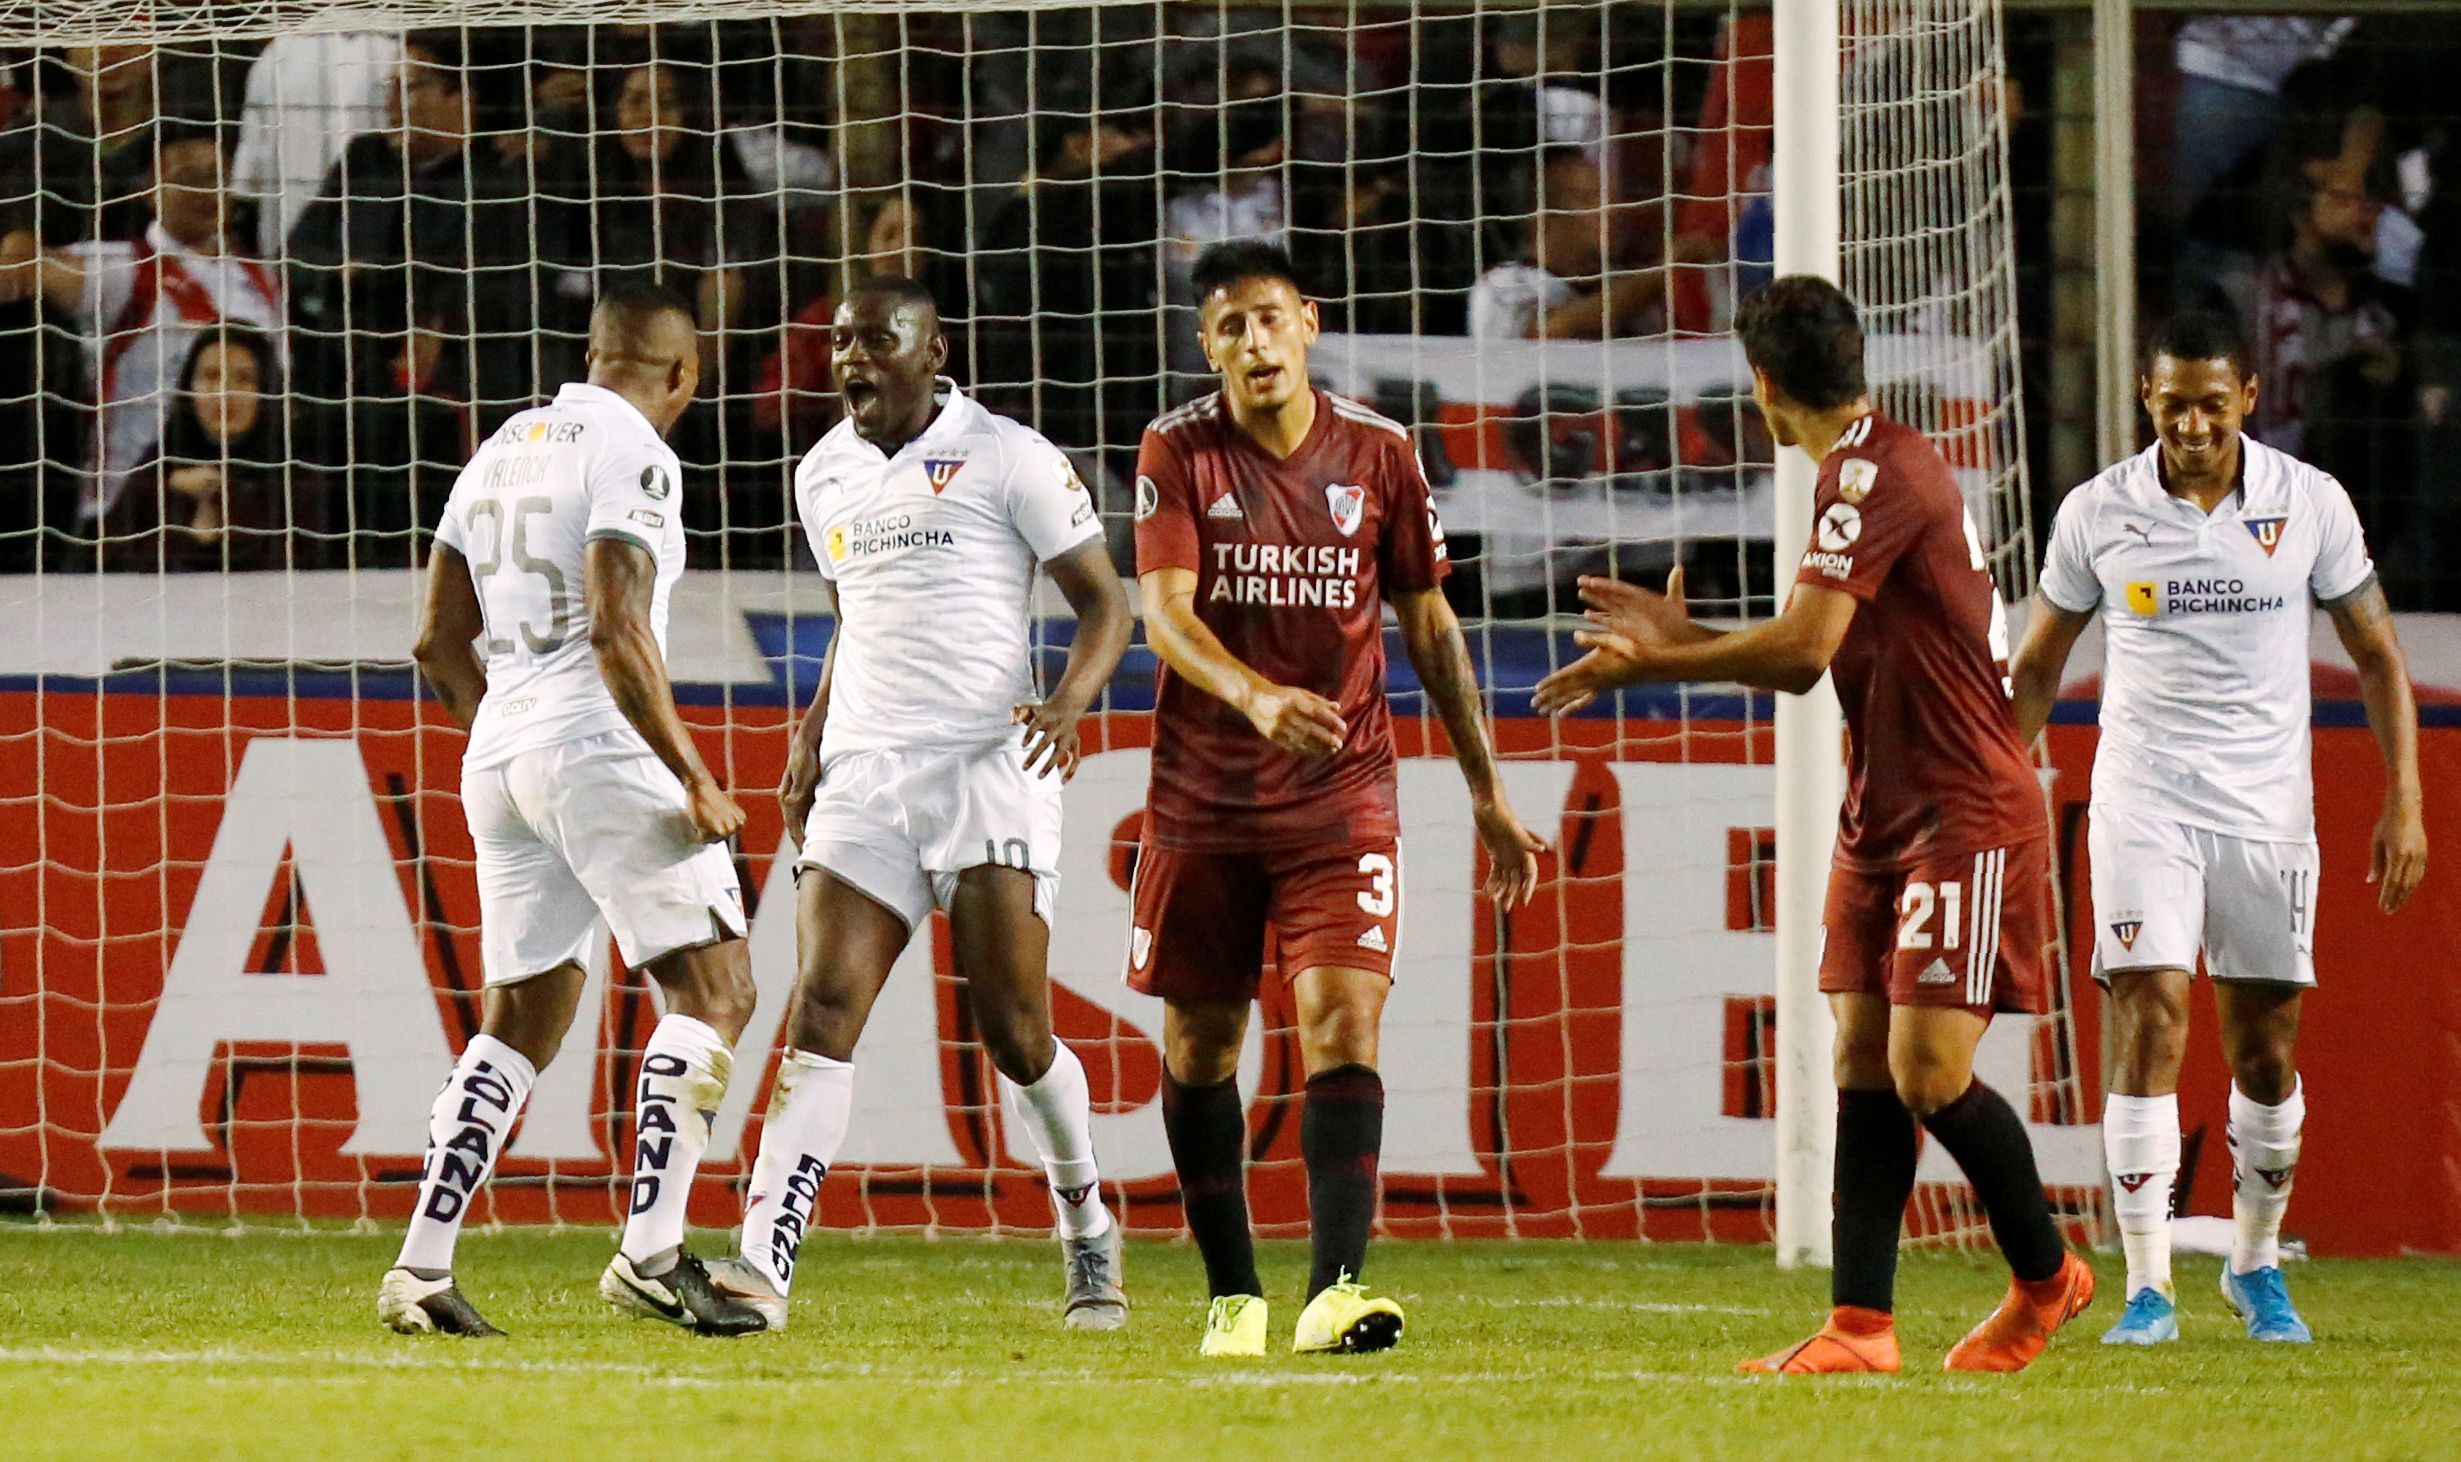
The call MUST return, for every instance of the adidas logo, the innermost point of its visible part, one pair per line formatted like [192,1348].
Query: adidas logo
[1374,939]
[1225,506]
[1937,973]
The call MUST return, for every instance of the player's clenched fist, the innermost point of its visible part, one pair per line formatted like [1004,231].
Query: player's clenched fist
[714,814]
[1296,720]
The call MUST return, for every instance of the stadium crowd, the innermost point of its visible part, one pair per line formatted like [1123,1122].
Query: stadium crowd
[258,301]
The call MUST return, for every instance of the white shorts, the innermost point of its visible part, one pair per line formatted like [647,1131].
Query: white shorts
[2164,890]
[591,829]
[899,826]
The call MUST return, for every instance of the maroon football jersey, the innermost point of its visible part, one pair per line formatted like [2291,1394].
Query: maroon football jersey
[1292,560]
[1933,764]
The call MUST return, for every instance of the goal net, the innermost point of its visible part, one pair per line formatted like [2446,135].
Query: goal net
[270,270]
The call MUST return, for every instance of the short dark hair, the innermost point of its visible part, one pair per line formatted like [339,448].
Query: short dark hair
[2203,332]
[1232,260]
[899,290]
[1802,332]
[632,304]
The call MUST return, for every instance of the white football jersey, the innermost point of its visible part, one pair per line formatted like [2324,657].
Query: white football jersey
[2205,699]
[588,465]
[932,553]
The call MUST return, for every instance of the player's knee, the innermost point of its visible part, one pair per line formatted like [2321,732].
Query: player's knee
[2265,1068]
[1342,1035]
[1016,1035]
[1927,1086]
[1200,1056]
[827,1018]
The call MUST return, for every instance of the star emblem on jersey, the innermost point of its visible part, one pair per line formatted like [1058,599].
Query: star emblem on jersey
[655,485]
[1226,507]
[2267,532]
[1349,504]
[2126,930]
[941,471]
[1839,527]
[1856,478]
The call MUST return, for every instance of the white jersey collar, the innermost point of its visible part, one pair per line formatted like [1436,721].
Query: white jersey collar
[582,393]
[958,414]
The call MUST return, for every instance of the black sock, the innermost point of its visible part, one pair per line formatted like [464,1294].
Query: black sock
[1208,1132]
[1986,1137]
[1341,1134]
[1874,1178]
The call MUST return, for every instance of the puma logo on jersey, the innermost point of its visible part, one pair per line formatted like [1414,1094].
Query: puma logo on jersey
[2126,930]
[941,471]
[2267,532]
[1374,939]
[1225,506]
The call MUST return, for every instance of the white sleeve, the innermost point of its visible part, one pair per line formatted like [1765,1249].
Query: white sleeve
[807,509]
[2068,579]
[449,529]
[632,491]
[2342,564]
[110,280]
[1047,502]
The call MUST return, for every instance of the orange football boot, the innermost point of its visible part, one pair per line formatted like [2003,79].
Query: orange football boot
[1855,1341]
[2011,1336]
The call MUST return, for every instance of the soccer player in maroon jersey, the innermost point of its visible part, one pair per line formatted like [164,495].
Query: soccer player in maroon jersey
[1274,522]
[1939,896]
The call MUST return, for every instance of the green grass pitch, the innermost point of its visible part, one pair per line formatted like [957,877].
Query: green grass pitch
[203,1344]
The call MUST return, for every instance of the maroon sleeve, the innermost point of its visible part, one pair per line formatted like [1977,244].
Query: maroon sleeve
[1866,513]
[1165,509]
[1412,556]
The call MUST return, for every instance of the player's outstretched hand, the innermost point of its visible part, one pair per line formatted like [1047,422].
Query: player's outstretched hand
[1635,613]
[2397,856]
[1051,737]
[797,789]
[1512,853]
[714,814]
[1612,661]
[1297,720]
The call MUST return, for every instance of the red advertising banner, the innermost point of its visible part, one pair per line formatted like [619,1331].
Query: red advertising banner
[239,951]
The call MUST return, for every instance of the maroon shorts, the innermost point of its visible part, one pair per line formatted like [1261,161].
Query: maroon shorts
[1965,930]
[1199,919]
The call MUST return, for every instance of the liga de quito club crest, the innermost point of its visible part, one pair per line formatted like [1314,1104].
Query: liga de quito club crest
[1349,504]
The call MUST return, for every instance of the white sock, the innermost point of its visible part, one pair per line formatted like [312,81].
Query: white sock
[2140,1139]
[683,1076]
[808,1111]
[1058,1113]
[466,1131]
[2264,1156]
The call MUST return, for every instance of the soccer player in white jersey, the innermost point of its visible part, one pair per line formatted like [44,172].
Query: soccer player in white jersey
[2201,555]
[925,774]
[545,638]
